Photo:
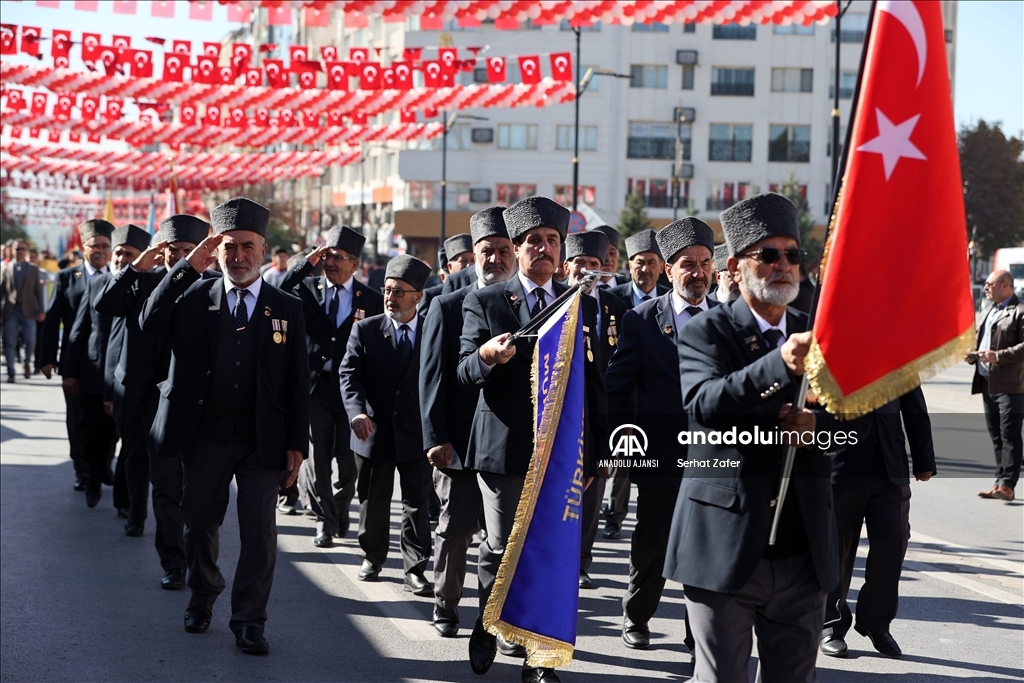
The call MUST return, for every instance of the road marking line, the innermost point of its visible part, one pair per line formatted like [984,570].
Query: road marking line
[973,553]
[963,582]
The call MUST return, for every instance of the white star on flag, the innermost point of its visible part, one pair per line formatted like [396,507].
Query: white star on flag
[893,142]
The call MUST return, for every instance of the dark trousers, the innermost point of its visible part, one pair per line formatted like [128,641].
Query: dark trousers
[166,475]
[375,482]
[592,498]
[329,433]
[76,434]
[500,494]
[782,603]
[458,521]
[98,432]
[135,458]
[885,507]
[208,467]
[1004,416]
[618,502]
[648,546]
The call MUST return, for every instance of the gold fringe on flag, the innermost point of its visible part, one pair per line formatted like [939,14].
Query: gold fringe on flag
[887,388]
[552,653]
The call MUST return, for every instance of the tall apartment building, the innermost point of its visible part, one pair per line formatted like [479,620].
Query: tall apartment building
[757,102]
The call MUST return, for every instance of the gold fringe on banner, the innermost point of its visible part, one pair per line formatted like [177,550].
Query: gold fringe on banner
[887,388]
[542,651]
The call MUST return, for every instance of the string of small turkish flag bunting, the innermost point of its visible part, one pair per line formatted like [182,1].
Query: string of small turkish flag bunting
[121,58]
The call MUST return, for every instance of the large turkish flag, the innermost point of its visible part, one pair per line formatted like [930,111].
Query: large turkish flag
[900,221]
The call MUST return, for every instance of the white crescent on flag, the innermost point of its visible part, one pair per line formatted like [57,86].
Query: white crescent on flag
[906,13]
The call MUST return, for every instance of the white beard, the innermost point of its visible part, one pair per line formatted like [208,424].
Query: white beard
[779,291]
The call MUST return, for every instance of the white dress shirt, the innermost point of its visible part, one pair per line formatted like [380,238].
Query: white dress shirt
[638,294]
[763,325]
[250,300]
[529,286]
[679,305]
[412,330]
[90,271]
[344,300]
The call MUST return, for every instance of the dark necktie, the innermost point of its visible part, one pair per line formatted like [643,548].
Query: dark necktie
[332,310]
[241,312]
[772,336]
[404,346]
[646,297]
[540,304]
[693,310]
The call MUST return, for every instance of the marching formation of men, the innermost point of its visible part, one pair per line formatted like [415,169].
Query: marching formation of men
[208,373]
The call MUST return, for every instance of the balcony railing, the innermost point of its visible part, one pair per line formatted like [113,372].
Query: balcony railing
[844,93]
[729,150]
[797,150]
[856,36]
[663,201]
[719,204]
[655,148]
[734,32]
[746,89]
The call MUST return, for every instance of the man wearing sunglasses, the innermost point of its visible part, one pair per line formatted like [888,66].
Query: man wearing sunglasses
[740,365]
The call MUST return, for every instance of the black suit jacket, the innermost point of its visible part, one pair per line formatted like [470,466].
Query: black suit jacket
[625,292]
[86,353]
[501,440]
[429,294]
[186,309]
[882,429]
[141,359]
[723,517]
[324,341]
[459,279]
[446,405]
[643,386]
[373,383]
[69,288]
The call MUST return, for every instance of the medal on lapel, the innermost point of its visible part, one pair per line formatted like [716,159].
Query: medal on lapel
[284,331]
[359,313]
[276,324]
[752,342]
[586,342]
[613,332]
[667,330]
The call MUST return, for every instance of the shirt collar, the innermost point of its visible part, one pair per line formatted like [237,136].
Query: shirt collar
[253,289]
[639,294]
[412,323]
[763,324]
[90,271]
[679,304]
[529,285]
[346,285]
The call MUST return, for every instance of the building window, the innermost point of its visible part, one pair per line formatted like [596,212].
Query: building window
[734,32]
[729,142]
[565,138]
[510,193]
[563,195]
[852,28]
[732,82]
[655,191]
[789,143]
[566,26]
[426,196]
[689,27]
[687,76]
[722,195]
[793,29]
[480,74]
[648,76]
[649,140]
[792,80]
[778,187]
[847,82]
[650,28]
[517,136]
[460,138]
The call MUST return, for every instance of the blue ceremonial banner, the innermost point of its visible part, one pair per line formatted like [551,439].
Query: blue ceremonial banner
[536,593]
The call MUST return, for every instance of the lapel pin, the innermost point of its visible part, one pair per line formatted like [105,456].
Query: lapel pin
[752,342]
[668,329]
[266,311]
[358,293]
[513,297]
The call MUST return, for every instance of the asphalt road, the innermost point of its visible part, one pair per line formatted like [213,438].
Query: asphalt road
[79,601]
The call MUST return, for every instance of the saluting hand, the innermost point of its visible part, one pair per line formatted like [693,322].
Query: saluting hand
[205,254]
[294,461]
[152,257]
[362,425]
[498,351]
[317,254]
[794,350]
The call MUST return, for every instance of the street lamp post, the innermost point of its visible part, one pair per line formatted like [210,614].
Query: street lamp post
[581,88]
[680,120]
[444,165]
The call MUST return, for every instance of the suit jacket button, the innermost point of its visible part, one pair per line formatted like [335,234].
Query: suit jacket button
[332,338]
[207,373]
[200,401]
[772,502]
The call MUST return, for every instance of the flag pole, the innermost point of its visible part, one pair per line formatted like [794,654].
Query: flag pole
[837,188]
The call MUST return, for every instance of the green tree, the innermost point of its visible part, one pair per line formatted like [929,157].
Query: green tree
[993,175]
[12,227]
[633,217]
[812,245]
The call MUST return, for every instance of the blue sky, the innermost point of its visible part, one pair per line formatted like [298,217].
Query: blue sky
[989,49]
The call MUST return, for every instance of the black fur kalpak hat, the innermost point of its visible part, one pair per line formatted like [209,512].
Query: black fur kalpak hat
[535,212]
[240,213]
[686,232]
[488,223]
[457,244]
[95,228]
[590,243]
[757,218]
[345,238]
[613,235]
[645,240]
[721,256]
[408,269]
[131,235]
[183,228]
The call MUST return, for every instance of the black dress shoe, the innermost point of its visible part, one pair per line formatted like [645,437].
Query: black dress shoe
[511,649]
[131,529]
[446,622]
[323,540]
[173,580]
[122,513]
[251,641]
[415,582]
[482,647]
[612,531]
[369,571]
[108,478]
[834,646]
[197,618]
[539,675]
[636,636]
[882,640]
[92,496]
[81,483]
[585,580]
